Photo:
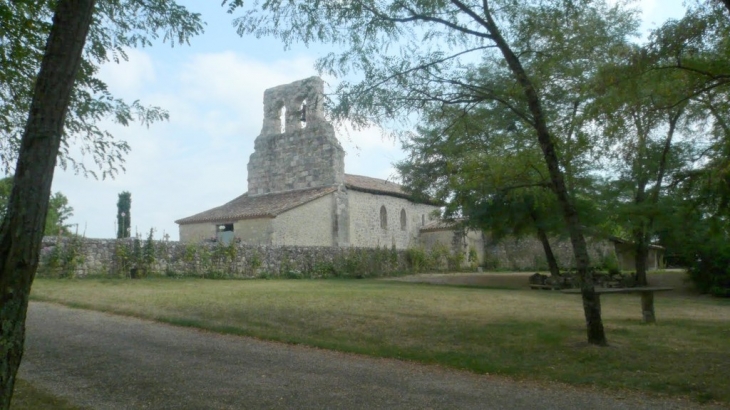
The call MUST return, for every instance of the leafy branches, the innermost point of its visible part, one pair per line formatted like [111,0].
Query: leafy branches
[117,26]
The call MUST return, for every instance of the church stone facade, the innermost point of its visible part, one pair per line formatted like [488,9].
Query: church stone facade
[298,192]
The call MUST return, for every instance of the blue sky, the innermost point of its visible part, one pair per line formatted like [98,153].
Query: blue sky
[213,90]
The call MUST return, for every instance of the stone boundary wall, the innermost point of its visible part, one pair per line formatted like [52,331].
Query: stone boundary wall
[528,254]
[79,257]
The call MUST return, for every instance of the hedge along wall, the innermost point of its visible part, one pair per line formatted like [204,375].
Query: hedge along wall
[78,257]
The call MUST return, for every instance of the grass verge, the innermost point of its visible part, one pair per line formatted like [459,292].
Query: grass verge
[26,396]
[517,333]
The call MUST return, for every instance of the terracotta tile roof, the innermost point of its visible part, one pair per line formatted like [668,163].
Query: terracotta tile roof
[271,205]
[261,206]
[374,185]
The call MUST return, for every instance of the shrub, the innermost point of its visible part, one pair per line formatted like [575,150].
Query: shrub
[416,258]
[63,259]
[609,263]
[254,262]
[455,260]
[710,270]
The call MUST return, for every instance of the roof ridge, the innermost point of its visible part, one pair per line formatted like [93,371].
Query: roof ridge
[260,206]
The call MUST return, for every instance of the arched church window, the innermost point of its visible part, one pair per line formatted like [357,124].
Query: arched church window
[383,217]
[402,219]
[303,115]
[423,220]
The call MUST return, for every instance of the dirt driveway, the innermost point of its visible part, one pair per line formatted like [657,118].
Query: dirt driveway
[104,361]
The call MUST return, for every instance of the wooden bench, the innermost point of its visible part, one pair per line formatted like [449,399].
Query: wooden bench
[647,298]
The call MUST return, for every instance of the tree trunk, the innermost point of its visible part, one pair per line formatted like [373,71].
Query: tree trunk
[591,300]
[552,262]
[22,227]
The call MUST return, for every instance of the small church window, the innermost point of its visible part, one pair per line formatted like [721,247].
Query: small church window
[383,217]
[423,220]
[402,219]
[282,119]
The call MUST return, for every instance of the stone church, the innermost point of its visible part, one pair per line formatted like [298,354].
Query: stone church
[298,192]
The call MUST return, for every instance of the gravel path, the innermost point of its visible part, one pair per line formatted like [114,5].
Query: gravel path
[104,361]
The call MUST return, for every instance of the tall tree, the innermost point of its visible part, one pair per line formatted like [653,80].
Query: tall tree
[695,227]
[124,216]
[415,54]
[21,231]
[486,172]
[639,117]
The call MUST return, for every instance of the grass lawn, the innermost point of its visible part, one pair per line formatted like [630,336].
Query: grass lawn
[28,397]
[524,334]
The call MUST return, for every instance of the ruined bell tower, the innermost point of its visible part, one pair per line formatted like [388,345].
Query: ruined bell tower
[297,147]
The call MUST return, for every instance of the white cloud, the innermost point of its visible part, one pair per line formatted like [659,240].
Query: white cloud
[128,78]
[370,153]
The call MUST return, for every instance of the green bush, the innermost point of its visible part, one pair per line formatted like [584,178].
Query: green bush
[455,260]
[609,263]
[293,274]
[417,260]
[63,260]
[710,270]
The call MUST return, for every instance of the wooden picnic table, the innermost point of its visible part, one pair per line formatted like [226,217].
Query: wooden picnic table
[647,298]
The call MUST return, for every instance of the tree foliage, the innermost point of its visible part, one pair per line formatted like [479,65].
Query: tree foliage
[639,120]
[118,25]
[59,210]
[488,174]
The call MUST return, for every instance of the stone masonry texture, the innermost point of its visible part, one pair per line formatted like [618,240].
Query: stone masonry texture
[307,154]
